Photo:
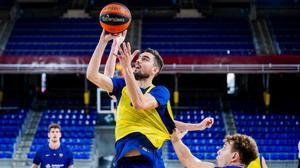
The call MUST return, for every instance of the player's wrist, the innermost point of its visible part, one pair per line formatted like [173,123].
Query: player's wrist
[200,126]
[127,69]
[103,41]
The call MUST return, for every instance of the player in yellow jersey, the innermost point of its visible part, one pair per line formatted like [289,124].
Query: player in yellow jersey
[144,119]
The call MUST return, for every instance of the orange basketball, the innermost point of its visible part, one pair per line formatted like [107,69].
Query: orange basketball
[115,18]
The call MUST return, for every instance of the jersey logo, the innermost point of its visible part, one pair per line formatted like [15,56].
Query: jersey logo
[47,155]
[61,155]
[144,148]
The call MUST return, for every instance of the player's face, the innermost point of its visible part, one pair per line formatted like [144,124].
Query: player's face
[225,155]
[144,66]
[54,135]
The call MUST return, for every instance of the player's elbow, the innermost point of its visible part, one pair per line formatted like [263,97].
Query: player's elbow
[91,76]
[186,158]
[185,162]
[138,106]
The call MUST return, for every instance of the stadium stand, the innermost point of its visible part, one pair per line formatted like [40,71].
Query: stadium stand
[54,37]
[11,121]
[6,4]
[79,37]
[285,33]
[204,37]
[277,135]
[277,3]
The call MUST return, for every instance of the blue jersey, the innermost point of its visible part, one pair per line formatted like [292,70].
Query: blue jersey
[49,158]
[137,141]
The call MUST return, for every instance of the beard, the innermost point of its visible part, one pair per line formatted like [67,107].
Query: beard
[140,76]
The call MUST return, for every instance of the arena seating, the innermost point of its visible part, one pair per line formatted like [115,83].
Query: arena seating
[277,135]
[198,37]
[63,37]
[11,122]
[277,3]
[135,3]
[6,4]
[286,34]
[77,130]
[60,102]
[54,37]
[203,144]
[209,104]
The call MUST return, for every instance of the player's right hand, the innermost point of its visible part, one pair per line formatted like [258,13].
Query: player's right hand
[119,39]
[106,37]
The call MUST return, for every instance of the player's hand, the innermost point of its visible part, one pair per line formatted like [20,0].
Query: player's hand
[125,55]
[206,123]
[106,37]
[119,39]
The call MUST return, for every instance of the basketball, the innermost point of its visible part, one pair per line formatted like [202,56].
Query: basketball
[115,18]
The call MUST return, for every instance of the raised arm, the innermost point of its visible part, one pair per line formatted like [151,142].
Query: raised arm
[184,154]
[93,74]
[110,65]
[206,123]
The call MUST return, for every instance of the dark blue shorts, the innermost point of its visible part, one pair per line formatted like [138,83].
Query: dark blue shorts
[139,142]
[134,162]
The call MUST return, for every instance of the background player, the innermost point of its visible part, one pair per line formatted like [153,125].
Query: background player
[53,154]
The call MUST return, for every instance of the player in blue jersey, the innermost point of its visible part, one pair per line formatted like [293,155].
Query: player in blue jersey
[54,154]
[237,152]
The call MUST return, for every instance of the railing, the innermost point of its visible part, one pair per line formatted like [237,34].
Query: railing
[168,69]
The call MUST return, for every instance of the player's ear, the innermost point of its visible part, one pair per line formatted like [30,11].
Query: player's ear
[235,156]
[155,70]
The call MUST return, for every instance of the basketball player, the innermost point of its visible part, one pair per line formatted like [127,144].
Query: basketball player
[53,154]
[110,69]
[143,119]
[237,152]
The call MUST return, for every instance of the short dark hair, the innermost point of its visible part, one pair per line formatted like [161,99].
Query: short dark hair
[53,125]
[158,61]
[245,146]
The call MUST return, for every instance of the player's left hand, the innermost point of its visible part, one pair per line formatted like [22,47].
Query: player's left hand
[125,56]
[206,123]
